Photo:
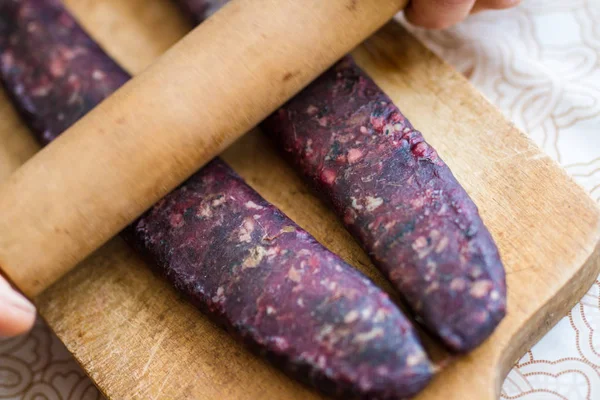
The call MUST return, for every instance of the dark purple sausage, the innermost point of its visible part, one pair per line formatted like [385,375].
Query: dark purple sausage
[398,199]
[234,255]
[53,70]
[241,260]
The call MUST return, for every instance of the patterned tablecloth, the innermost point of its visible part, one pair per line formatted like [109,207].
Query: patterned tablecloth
[540,63]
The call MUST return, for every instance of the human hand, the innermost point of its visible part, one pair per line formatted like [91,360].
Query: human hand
[17,314]
[440,14]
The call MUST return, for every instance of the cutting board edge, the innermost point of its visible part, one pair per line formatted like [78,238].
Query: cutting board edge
[549,314]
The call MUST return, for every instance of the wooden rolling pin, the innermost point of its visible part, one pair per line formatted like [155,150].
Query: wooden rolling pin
[205,92]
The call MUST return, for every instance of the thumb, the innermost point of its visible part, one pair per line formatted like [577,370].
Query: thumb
[17,314]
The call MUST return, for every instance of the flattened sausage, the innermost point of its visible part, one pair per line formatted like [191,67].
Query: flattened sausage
[398,199]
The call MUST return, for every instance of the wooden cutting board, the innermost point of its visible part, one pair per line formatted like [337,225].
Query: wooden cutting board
[137,339]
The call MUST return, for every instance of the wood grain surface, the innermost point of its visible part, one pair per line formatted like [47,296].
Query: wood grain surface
[137,339]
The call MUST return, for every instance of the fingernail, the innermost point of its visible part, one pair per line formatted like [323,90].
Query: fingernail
[17,300]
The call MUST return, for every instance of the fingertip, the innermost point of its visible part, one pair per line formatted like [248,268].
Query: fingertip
[437,14]
[16,323]
[17,314]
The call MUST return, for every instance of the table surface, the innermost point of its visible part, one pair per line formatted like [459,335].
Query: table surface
[517,59]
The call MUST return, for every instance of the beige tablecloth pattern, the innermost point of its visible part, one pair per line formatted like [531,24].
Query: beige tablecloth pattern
[540,63]
[37,366]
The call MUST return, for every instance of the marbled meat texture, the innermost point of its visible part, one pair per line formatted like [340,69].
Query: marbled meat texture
[52,68]
[240,259]
[234,255]
[398,199]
